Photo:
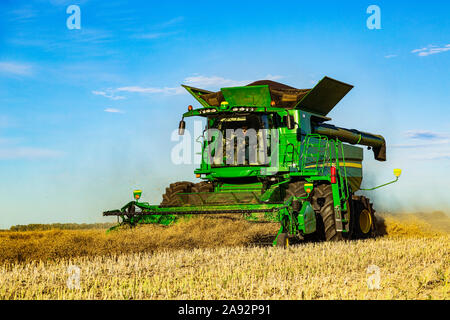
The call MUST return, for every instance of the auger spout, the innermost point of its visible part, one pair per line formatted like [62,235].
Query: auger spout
[354,136]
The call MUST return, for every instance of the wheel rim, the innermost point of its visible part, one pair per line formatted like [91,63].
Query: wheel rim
[365,221]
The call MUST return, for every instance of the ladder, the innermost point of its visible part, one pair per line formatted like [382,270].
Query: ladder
[314,154]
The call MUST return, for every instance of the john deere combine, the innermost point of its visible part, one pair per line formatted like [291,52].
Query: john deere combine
[269,153]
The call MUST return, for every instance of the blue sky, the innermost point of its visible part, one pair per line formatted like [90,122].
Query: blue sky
[86,114]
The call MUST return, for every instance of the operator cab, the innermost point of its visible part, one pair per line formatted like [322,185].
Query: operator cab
[244,139]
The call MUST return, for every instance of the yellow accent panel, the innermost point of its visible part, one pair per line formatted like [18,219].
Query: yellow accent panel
[341,164]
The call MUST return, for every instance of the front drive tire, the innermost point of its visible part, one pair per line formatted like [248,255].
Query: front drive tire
[323,203]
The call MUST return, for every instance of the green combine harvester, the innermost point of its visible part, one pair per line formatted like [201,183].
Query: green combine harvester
[268,153]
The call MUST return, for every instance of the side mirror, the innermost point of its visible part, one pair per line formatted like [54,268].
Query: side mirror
[290,123]
[181,127]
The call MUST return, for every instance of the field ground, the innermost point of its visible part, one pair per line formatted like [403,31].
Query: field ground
[226,259]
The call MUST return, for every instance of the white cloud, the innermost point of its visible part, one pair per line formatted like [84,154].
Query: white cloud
[165,90]
[219,82]
[27,153]
[425,145]
[431,49]
[15,68]
[425,135]
[273,78]
[433,156]
[170,22]
[422,145]
[109,95]
[66,2]
[112,110]
[22,14]
[390,56]
[81,42]
[213,82]
[424,139]
[155,35]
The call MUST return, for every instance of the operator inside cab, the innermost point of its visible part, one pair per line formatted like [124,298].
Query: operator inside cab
[242,138]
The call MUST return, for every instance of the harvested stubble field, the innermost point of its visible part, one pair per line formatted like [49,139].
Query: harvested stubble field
[224,258]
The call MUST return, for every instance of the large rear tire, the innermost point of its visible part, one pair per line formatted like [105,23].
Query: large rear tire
[204,186]
[171,199]
[362,218]
[295,189]
[201,187]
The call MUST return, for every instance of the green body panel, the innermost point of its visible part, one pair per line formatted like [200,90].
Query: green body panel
[196,93]
[294,222]
[324,96]
[230,172]
[267,207]
[254,96]
[307,219]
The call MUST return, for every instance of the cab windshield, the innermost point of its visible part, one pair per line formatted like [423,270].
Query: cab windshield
[240,140]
